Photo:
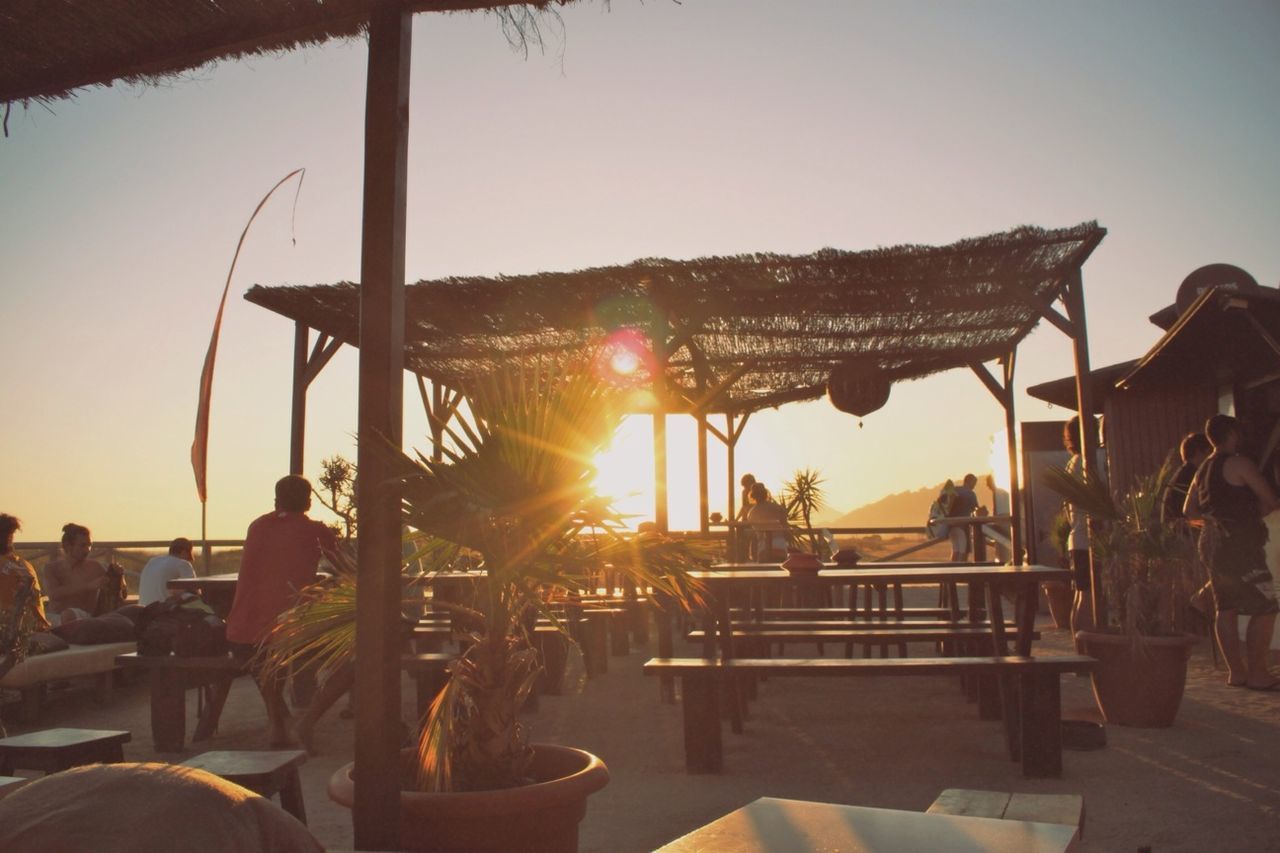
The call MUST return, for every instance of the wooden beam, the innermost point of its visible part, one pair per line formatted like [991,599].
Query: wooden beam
[729,445]
[324,351]
[1001,393]
[298,404]
[376,813]
[660,470]
[1073,300]
[1009,363]
[704,518]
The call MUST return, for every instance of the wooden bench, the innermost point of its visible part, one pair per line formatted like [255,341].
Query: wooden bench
[32,677]
[1065,809]
[800,633]
[53,750]
[169,678]
[1032,716]
[267,773]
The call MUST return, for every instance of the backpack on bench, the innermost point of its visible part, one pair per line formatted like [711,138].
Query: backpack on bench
[182,625]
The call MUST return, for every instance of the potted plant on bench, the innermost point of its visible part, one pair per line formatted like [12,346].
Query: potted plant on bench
[515,487]
[1148,572]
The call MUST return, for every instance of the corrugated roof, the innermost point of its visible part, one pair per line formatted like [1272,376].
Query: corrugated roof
[779,323]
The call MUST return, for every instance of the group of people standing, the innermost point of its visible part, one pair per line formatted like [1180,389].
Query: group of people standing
[1220,497]
[962,502]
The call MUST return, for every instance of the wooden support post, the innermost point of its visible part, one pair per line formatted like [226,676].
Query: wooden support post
[1073,301]
[1015,488]
[376,814]
[660,470]
[704,509]
[731,537]
[298,411]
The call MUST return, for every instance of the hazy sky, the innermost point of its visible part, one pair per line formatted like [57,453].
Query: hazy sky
[654,129]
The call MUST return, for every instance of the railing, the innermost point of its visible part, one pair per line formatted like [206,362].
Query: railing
[121,552]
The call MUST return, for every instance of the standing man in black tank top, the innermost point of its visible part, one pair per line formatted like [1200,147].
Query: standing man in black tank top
[1229,497]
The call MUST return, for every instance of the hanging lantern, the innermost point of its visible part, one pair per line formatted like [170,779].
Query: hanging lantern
[858,386]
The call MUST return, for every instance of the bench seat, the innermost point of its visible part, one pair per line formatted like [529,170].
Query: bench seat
[784,633]
[31,676]
[1033,716]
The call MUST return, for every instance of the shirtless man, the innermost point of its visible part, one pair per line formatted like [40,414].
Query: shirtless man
[73,582]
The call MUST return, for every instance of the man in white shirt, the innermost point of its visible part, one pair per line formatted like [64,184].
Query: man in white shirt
[154,583]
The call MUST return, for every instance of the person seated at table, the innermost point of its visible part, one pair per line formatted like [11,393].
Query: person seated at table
[153,585]
[282,551]
[79,587]
[769,518]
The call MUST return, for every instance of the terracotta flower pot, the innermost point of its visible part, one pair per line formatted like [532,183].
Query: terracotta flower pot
[541,817]
[1138,684]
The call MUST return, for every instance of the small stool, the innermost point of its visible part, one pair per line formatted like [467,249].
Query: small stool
[57,749]
[267,773]
[9,784]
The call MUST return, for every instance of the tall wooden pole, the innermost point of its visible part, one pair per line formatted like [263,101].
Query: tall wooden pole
[730,462]
[1015,488]
[660,470]
[704,514]
[376,815]
[1073,301]
[298,411]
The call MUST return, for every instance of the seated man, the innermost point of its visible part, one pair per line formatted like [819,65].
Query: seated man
[282,551]
[77,586]
[153,585]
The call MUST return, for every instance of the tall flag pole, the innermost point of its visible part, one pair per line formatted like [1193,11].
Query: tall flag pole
[200,445]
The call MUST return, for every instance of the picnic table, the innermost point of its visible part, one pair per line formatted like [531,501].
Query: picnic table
[1022,581]
[772,825]
[218,591]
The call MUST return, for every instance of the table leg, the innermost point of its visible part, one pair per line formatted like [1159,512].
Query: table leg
[168,709]
[729,682]
[666,645]
[1026,603]
[207,723]
[291,795]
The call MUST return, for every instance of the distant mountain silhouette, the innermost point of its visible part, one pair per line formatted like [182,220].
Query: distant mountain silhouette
[902,509]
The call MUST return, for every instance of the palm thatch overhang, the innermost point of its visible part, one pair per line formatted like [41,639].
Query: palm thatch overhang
[739,333]
[51,48]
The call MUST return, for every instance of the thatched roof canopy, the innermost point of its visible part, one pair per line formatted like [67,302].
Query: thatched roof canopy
[50,48]
[779,323]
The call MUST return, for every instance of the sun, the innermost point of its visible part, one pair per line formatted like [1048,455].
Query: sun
[624,470]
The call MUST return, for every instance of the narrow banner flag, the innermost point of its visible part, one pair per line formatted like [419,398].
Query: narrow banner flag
[200,446]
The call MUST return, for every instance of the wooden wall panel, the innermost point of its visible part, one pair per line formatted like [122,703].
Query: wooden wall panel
[1142,427]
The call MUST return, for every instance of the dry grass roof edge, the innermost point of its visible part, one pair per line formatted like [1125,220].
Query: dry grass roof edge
[774,324]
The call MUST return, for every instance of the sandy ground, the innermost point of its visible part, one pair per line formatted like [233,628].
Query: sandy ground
[1212,782]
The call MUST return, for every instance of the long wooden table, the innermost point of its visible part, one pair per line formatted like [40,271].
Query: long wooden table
[218,591]
[771,825]
[1023,581]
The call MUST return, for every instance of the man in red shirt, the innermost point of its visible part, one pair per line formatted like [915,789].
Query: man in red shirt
[282,551]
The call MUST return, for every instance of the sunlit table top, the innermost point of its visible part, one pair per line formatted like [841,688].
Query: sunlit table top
[771,825]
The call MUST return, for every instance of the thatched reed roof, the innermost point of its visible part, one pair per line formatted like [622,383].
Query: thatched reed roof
[778,322]
[50,48]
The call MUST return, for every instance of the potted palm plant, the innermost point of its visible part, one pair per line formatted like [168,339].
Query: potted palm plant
[1148,572]
[515,487]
